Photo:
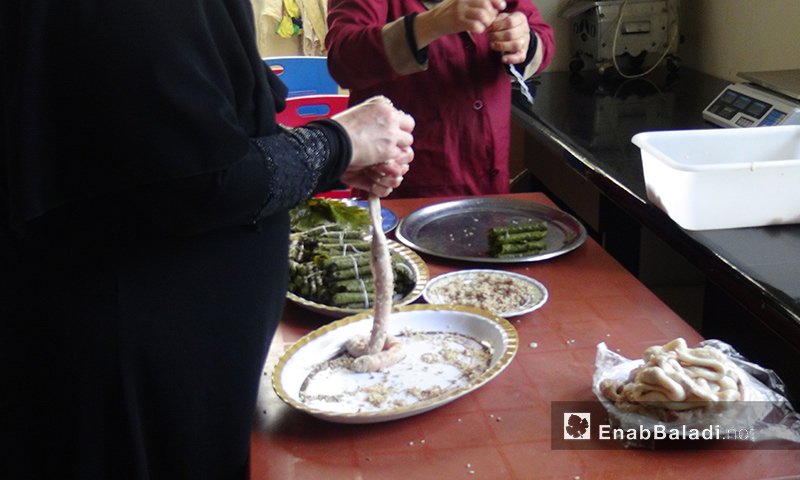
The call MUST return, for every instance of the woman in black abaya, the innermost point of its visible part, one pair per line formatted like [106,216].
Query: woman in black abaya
[144,190]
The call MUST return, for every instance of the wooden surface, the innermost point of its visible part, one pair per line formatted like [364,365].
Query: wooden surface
[502,430]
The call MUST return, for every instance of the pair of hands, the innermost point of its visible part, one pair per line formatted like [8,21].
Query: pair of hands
[508,33]
[381,138]
[380,134]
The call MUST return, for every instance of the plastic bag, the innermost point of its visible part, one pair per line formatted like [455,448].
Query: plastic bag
[763,414]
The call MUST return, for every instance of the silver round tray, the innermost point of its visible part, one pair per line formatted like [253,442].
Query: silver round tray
[457,229]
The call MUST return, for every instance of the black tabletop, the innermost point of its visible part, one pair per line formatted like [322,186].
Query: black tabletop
[591,119]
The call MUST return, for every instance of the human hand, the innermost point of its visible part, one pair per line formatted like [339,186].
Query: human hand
[380,179]
[456,16]
[381,139]
[510,34]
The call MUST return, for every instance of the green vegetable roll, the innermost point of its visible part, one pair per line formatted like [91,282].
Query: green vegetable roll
[362,272]
[517,254]
[343,248]
[510,229]
[534,246]
[350,298]
[341,262]
[339,237]
[520,237]
[357,286]
[516,240]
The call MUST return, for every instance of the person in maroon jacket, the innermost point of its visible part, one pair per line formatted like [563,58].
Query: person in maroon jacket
[447,64]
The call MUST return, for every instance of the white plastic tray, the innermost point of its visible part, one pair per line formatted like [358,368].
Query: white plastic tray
[724,178]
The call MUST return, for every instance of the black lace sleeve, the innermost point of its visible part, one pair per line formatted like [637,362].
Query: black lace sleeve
[277,173]
[303,161]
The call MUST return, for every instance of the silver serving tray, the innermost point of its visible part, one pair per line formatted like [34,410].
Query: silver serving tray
[457,229]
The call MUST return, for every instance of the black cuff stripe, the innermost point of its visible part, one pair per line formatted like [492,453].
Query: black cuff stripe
[421,56]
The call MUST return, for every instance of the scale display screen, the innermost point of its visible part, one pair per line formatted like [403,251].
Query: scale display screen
[742,105]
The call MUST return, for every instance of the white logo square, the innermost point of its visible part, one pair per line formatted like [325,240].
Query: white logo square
[577,426]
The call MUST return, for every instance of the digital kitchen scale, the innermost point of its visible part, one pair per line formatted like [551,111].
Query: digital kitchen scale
[766,99]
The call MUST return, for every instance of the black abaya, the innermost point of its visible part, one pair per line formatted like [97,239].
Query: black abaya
[144,187]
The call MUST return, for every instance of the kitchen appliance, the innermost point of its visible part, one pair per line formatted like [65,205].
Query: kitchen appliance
[629,33]
[766,99]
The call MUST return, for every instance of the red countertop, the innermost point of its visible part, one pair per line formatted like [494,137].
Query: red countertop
[502,430]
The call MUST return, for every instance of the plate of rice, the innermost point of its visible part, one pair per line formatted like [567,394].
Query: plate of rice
[506,294]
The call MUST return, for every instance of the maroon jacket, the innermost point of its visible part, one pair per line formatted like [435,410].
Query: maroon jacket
[460,98]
